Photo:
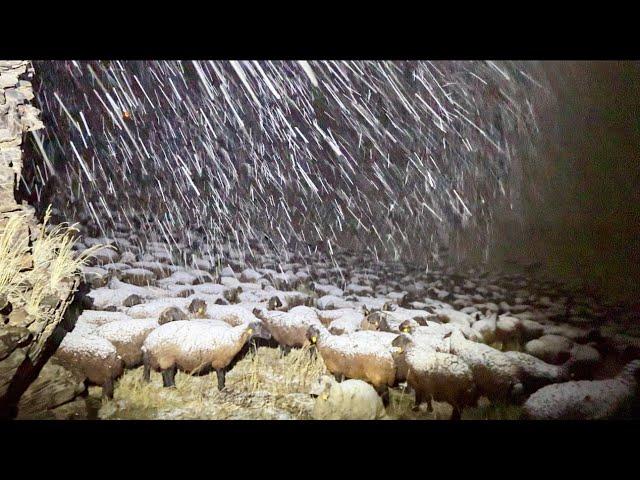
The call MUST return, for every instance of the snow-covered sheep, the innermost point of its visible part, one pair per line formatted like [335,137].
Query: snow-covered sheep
[536,373]
[486,329]
[553,349]
[171,314]
[194,346]
[448,315]
[530,329]
[421,316]
[198,307]
[234,315]
[389,321]
[348,400]
[96,318]
[95,276]
[178,278]
[330,302]
[154,308]
[507,328]
[138,276]
[495,374]
[290,328]
[434,336]
[331,290]
[120,294]
[91,356]
[127,336]
[585,399]
[437,375]
[249,275]
[582,361]
[361,358]
[343,320]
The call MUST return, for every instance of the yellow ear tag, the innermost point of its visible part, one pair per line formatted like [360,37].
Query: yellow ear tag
[314,339]
[250,330]
[325,396]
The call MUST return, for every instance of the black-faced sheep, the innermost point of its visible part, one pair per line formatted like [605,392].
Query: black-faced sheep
[434,336]
[171,314]
[495,374]
[127,336]
[195,346]
[290,328]
[363,358]
[437,375]
[536,373]
[553,349]
[343,320]
[197,307]
[91,356]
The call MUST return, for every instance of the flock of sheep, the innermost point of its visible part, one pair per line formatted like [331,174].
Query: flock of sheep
[375,325]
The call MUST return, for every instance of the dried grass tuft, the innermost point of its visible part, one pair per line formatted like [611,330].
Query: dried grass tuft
[53,262]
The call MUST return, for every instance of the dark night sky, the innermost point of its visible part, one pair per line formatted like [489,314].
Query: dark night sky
[583,202]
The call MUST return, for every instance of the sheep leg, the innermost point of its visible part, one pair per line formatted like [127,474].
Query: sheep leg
[221,373]
[339,377]
[429,404]
[418,401]
[107,389]
[384,395]
[146,372]
[456,414]
[313,352]
[286,349]
[169,377]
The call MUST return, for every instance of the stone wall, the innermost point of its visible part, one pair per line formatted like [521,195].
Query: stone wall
[26,342]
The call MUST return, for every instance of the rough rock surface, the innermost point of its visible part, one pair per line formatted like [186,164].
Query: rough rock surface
[54,387]
[25,342]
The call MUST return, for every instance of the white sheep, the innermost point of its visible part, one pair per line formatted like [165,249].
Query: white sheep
[193,346]
[585,399]
[348,400]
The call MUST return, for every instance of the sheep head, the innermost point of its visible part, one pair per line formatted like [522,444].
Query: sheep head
[198,307]
[322,387]
[400,344]
[407,327]
[313,334]
[374,319]
[274,303]
[257,329]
